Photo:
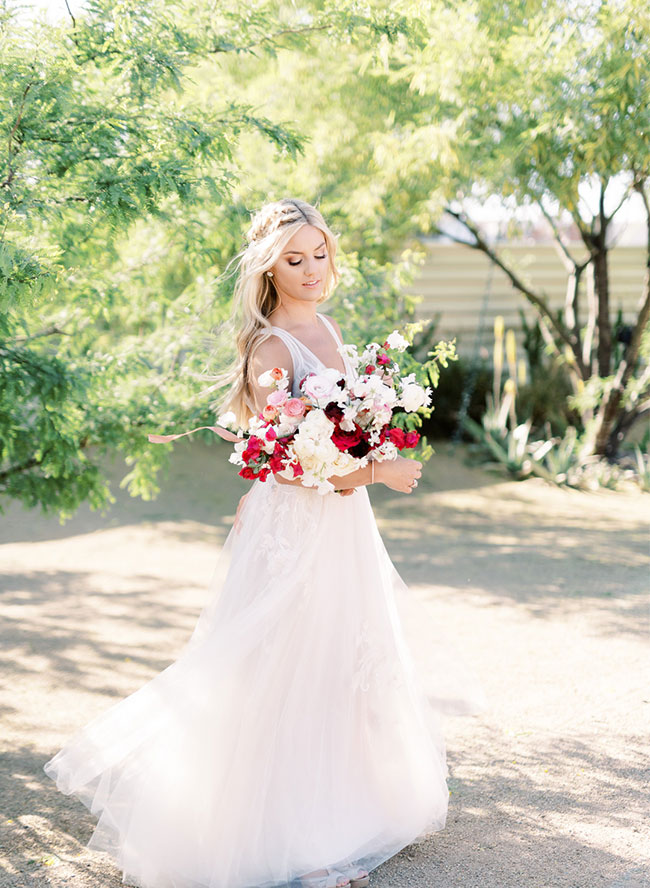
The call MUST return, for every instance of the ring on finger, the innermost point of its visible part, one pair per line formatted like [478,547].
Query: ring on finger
[415,483]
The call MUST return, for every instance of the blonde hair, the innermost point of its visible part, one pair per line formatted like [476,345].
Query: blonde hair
[255,295]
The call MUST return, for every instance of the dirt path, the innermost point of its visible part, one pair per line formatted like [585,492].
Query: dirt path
[545,592]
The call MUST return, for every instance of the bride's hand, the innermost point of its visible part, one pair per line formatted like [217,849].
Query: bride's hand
[399,473]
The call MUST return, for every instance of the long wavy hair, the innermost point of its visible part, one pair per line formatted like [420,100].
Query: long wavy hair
[255,295]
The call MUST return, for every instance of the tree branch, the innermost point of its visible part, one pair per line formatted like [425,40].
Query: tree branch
[67,6]
[53,330]
[534,298]
[7,182]
[557,234]
[269,38]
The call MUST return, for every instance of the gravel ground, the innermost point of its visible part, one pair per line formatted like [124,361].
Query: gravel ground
[545,592]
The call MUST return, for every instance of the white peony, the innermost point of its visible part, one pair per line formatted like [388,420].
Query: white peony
[316,425]
[397,341]
[413,397]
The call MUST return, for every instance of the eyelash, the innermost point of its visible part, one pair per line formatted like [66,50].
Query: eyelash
[300,260]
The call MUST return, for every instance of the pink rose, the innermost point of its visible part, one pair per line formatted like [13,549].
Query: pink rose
[294,407]
[270,412]
[322,387]
[277,398]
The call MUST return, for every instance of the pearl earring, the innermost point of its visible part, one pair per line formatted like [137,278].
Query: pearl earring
[270,274]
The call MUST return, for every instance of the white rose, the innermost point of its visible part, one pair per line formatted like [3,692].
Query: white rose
[413,397]
[397,341]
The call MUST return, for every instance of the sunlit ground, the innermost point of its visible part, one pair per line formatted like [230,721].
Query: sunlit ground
[544,590]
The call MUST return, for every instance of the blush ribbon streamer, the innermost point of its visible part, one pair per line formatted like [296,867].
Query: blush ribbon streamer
[223,433]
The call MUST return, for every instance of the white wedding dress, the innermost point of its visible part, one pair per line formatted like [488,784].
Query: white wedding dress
[295,732]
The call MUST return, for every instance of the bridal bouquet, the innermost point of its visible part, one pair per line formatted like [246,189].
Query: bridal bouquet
[336,425]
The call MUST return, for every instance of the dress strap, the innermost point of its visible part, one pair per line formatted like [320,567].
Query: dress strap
[339,342]
[330,327]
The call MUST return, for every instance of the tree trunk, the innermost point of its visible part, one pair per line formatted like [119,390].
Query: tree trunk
[610,409]
[600,260]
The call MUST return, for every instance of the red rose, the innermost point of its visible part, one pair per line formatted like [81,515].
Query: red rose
[247,473]
[370,368]
[345,440]
[412,438]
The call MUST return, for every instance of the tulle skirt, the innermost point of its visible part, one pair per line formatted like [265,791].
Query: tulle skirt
[297,730]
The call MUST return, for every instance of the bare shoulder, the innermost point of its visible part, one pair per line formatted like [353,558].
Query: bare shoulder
[272,352]
[335,325]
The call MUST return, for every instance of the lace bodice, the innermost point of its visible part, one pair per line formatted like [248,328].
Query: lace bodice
[304,360]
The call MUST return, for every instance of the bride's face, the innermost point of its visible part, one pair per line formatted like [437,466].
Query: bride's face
[301,270]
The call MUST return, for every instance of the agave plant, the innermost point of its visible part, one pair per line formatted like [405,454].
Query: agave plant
[642,468]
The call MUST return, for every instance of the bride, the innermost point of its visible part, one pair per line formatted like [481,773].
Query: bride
[293,742]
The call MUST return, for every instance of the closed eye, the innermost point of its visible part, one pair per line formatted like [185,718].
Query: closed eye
[315,257]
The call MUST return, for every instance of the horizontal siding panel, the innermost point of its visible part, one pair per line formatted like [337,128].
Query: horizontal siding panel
[453,282]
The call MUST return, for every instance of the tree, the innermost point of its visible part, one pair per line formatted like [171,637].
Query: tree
[111,179]
[537,103]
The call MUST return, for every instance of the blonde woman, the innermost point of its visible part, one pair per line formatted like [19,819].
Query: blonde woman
[291,743]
